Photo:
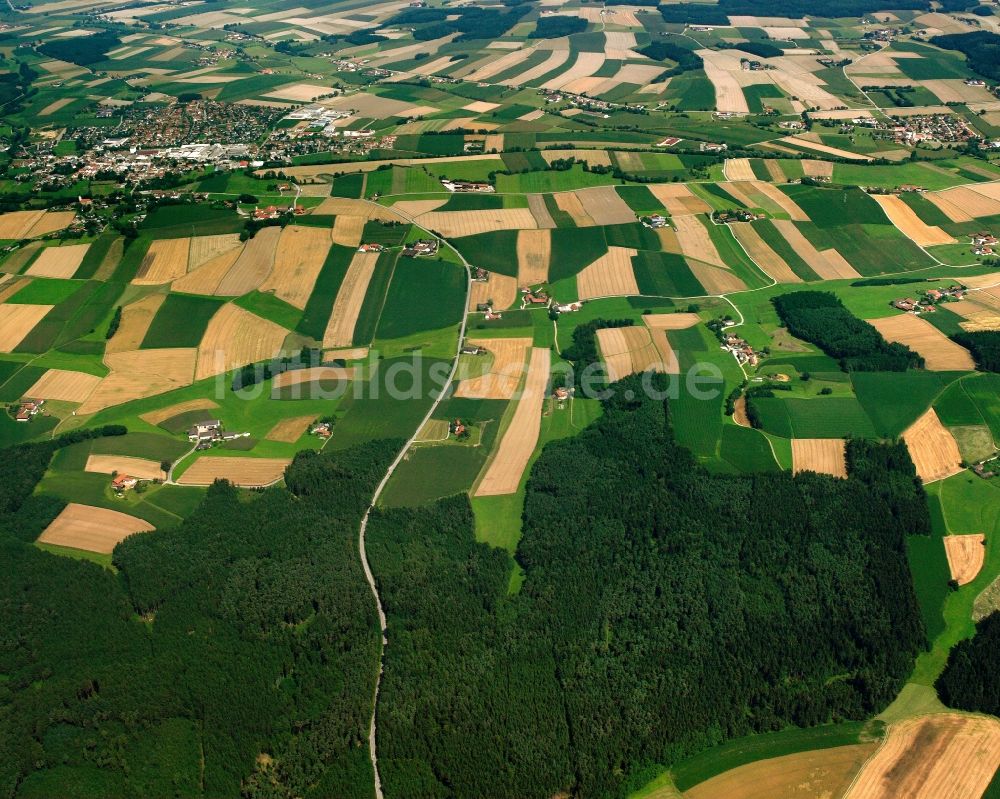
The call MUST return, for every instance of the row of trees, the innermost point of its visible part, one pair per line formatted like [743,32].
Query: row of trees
[663,610]
[821,318]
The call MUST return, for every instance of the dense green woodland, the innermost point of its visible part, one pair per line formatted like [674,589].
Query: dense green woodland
[971,680]
[246,631]
[664,610]
[984,346]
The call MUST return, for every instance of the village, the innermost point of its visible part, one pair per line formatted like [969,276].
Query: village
[927,300]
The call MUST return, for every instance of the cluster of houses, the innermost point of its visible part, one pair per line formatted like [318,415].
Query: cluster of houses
[27,409]
[654,221]
[371,248]
[421,247]
[741,349]
[322,429]
[928,299]
[274,212]
[983,243]
[735,215]
[467,186]
[209,432]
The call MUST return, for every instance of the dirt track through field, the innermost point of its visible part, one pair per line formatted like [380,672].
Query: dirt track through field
[610,275]
[510,357]
[234,338]
[813,774]
[141,373]
[162,414]
[534,248]
[629,350]
[58,261]
[500,289]
[290,430]
[166,260]
[933,448]
[911,225]
[940,756]
[350,298]
[821,455]
[92,529]
[766,258]
[247,472]
[60,384]
[966,554]
[829,264]
[253,264]
[503,474]
[16,321]
[122,465]
[298,260]
[939,352]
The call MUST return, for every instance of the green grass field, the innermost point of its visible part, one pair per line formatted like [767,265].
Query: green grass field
[181,321]
[424,295]
[317,311]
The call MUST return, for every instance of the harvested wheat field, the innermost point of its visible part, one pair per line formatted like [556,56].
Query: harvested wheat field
[610,275]
[207,248]
[413,207]
[16,260]
[348,229]
[678,199]
[60,384]
[505,372]
[569,202]
[16,321]
[628,351]
[695,241]
[30,224]
[501,290]
[135,321]
[347,353]
[940,756]
[933,448]
[92,529]
[714,279]
[939,352]
[911,225]
[236,337]
[290,430]
[738,169]
[964,202]
[779,199]
[820,455]
[817,169]
[536,204]
[253,264]
[296,376]
[336,206]
[504,471]
[50,222]
[141,373]
[740,415]
[605,207]
[453,224]
[813,774]
[966,554]
[534,247]
[767,259]
[143,468]
[58,261]
[953,210]
[350,298]
[829,264]
[166,260]
[162,414]
[297,263]
[206,278]
[247,472]
[659,324]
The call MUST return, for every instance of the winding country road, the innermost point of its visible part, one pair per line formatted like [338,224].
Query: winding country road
[372,729]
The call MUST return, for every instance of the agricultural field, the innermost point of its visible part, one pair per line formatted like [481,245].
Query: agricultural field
[391,301]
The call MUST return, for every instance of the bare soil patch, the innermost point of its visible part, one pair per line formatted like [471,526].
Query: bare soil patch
[966,554]
[297,263]
[246,472]
[92,529]
[503,473]
[610,275]
[61,384]
[350,298]
[143,468]
[236,337]
[933,448]
[505,372]
[940,353]
[821,455]
[59,261]
[534,248]
[940,756]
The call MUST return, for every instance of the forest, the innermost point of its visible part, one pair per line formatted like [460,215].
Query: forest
[663,611]
[970,680]
[984,346]
[821,318]
[233,655]
[981,49]
[718,14]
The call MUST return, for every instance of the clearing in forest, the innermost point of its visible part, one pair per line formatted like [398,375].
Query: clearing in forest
[966,554]
[939,352]
[610,275]
[939,756]
[933,448]
[628,350]
[92,529]
[504,471]
[504,375]
[820,455]
[234,338]
[246,472]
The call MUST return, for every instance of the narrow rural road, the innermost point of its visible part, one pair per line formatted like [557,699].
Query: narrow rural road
[369,577]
